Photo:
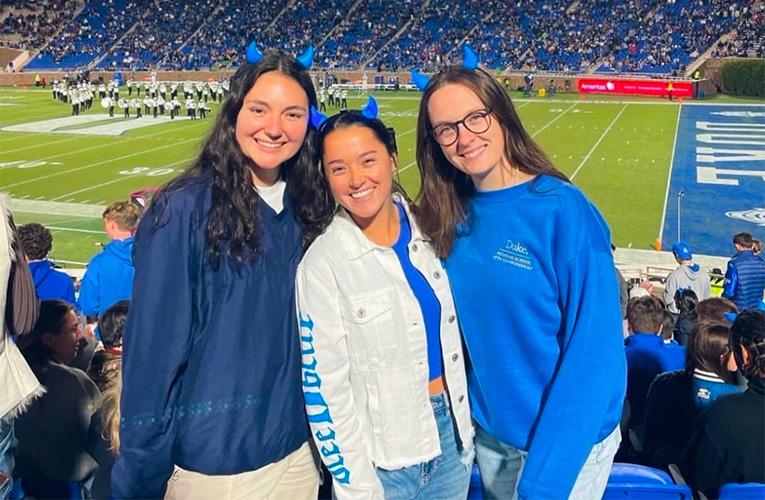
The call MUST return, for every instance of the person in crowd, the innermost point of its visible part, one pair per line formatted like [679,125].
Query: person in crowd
[109,275]
[377,317]
[50,283]
[105,371]
[53,452]
[687,275]
[745,277]
[714,309]
[222,413]
[675,398]
[19,308]
[685,303]
[647,352]
[530,264]
[726,445]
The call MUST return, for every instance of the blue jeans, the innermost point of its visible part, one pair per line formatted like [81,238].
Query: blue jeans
[444,477]
[7,448]
[501,465]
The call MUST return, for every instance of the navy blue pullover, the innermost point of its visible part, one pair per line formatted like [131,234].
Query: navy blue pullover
[745,280]
[211,364]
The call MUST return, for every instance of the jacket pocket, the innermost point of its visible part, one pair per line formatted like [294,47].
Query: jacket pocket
[369,322]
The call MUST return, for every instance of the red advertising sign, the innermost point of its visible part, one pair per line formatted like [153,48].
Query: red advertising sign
[642,87]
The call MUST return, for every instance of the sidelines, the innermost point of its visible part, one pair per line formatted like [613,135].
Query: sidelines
[73,230]
[669,173]
[56,208]
[603,135]
[77,169]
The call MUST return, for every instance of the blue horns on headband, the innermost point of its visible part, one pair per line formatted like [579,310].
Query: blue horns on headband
[469,61]
[254,55]
[369,111]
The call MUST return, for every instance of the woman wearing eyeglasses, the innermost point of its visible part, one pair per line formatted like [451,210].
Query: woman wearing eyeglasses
[533,278]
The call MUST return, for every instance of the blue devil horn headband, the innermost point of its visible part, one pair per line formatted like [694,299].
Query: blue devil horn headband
[469,61]
[369,111]
[317,118]
[420,80]
[254,55]
[306,58]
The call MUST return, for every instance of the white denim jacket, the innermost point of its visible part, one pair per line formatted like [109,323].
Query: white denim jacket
[365,357]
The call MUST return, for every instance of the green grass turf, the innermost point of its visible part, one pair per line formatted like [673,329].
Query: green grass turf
[617,150]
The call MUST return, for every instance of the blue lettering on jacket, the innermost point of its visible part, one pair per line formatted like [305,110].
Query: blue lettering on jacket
[317,407]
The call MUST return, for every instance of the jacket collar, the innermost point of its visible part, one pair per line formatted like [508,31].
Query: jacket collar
[354,241]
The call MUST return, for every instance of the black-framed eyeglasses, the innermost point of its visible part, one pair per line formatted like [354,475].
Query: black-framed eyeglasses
[476,122]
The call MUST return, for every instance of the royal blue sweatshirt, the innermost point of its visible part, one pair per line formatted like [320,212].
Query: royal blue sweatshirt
[211,359]
[108,278]
[533,279]
[51,283]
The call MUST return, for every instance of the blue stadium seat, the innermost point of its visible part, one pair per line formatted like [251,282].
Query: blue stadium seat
[746,491]
[639,482]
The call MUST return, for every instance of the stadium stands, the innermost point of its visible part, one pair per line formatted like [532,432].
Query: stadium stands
[648,36]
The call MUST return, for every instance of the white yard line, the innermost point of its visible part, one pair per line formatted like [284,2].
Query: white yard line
[118,179]
[602,136]
[669,174]
[407,166]
[554,119]
[91,165]
[73,230]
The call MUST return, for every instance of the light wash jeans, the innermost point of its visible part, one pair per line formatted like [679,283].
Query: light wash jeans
[7,448]
[445,477]
[501,466]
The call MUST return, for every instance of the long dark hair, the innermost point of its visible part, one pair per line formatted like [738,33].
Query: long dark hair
[446,191]
[748,331]
[343,120]
[234,213]
[706,345]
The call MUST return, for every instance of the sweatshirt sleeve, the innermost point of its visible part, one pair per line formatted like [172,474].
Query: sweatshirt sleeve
[668,295]
[156,348]
[731,279]
[88,302]
[330,405]
[587,391]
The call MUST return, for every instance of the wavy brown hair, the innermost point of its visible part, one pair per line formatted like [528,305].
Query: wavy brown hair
[232,225]
[446,191]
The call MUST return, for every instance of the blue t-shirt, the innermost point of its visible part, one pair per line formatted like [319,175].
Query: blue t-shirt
[535,286]
[426,297]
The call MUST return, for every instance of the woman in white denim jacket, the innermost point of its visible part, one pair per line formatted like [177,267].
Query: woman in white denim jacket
[383,408]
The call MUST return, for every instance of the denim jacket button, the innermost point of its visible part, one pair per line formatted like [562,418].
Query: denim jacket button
[455,357]
[461,399]
[437,275]
[452,318]
[415,247]
[361,312]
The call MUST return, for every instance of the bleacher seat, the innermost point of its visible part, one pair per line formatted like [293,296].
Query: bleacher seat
[639,482]
[746,491]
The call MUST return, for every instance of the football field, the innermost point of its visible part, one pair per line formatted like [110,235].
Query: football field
[61,170]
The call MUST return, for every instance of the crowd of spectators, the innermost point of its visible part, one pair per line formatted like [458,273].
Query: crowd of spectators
[674,34]
[157,36]
[96,28]
[29,24]
[541,35]
[749,39]
[224,38]
[365,32]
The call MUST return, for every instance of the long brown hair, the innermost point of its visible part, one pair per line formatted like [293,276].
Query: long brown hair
[446,191]
[707,343]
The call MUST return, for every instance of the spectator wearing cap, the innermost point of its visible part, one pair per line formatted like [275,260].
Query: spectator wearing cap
[37,241]
[745,277]
[687,275]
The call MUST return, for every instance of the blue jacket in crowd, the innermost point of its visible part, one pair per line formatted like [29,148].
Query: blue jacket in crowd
[211,364]
[50,283]
[108,279]
[745,280]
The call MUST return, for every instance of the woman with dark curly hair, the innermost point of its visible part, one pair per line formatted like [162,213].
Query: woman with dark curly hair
[211,396]
[726,446]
